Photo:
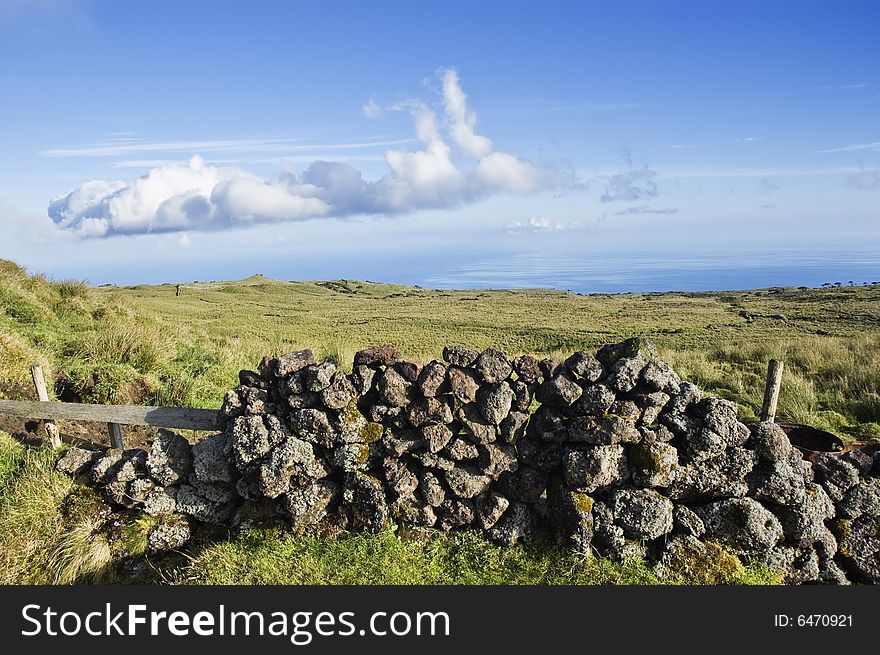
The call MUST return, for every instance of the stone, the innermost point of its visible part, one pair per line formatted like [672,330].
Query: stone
[376,356]
[522,395]
[770,442]
[629,349]
[595,400]
[399,442]
[515,524]
[317,377]
[314,426]
[168,535]
[76,461]
[572,513]
[603,431]
[293,462]
[862,498]
[776,482]
[513,427]
[364,495]
[252,379]
[481,430]
[305,400]
[210,461]
[548,424]
[836,475]
[202,505]
[720,477]
[527,369]
[719,416]
[652,464]
[859,547]
[231,407]
[464,384]
[424,411]
[741,523]
[683,426]
[798,565]
[651,405]
[267,367]
[432,380]
[411,512]
[432,489]
[541,455]
[339,393]
[549,367]
[585,366]
[526,484]
[105,467]
[455,513]
[589,469]
[493,366]
[460,449]
[560,391]
[309,505]
[400,474]
[353,457]
[160,501]
[831,573]
[496,458]
[624,374]
[641,513]
[436,436]
[688,394]
[685,521]
[494,401]
[394,389]
[626,410]
[861,460]
[466,481]
[353,427]
[250,439]
[700,563]
[658,376]
[488,508]
[255,401]
[803,523]
[292,362]
[363,377]
[170,459]
[460,356]
[409,371]
[703,444]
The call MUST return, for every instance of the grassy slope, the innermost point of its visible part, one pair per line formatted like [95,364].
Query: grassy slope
[144,344]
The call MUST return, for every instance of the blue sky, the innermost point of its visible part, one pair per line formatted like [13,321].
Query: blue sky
[172,141]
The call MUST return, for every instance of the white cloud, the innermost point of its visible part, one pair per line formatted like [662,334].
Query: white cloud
[749,139]
[539,224]
[184,241]
[371,109]
[645,209]
[195,195]
[864,181]
[637,184]
[855,147]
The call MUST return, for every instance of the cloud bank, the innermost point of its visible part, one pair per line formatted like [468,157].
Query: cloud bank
[455,165]
[539,224]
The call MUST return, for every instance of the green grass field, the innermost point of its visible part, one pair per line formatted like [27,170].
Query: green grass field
[144,344]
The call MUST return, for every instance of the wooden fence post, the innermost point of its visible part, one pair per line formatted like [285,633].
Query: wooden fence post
[43,395]
[115,431]
[771,390]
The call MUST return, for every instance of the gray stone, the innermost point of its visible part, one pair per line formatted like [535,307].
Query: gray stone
[741,523]
[294,462]
[651,405]
[589,469]
[376,356]
[479,428]
[548,424]
[466,482]
[798,565]
[394,389]
[424,411]
[409,371]
[464,384]
[721,477]
[460,449]
[658,376]
[522,395]
[560,391]
[318,376]
[776,482]
[363,377]
[652,464]
[293,362]
[549,367]
[603,431]
[314,426]
[431,488]
[861,460]
[339,393]
[101,473]
[255,401]
[595,400]
[460,356]
[455,513]
[626,410]
[494,401]
[250,439]
[210,461]
[168,535]
[412,512]
[353,457]
[515,524]
[400,474]
[527,369]
[624,374]
[836,475]
[831,573]
[493,365]
[252,379]
[641,513]
[685,521]
[703,444]
[719,415]
[526,484]
[489,507]
[194,502]
[170,459]
[688,394]
[770,442]
[364,495]
[161,501]
[585,366]
[496,459]
[309,505]
[436,436]
[76,461]
[513,427]
[572,513]
[432,380]
[399,442]
[803,523]
[862,498]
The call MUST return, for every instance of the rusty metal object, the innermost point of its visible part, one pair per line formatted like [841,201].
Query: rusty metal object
[812,442]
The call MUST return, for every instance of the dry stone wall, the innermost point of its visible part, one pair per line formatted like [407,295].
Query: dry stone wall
[612,452]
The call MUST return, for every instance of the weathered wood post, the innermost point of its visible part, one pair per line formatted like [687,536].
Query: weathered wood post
[115,431]
[771,390]
[43,395]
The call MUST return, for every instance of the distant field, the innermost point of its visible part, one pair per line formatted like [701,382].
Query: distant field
[145,344]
